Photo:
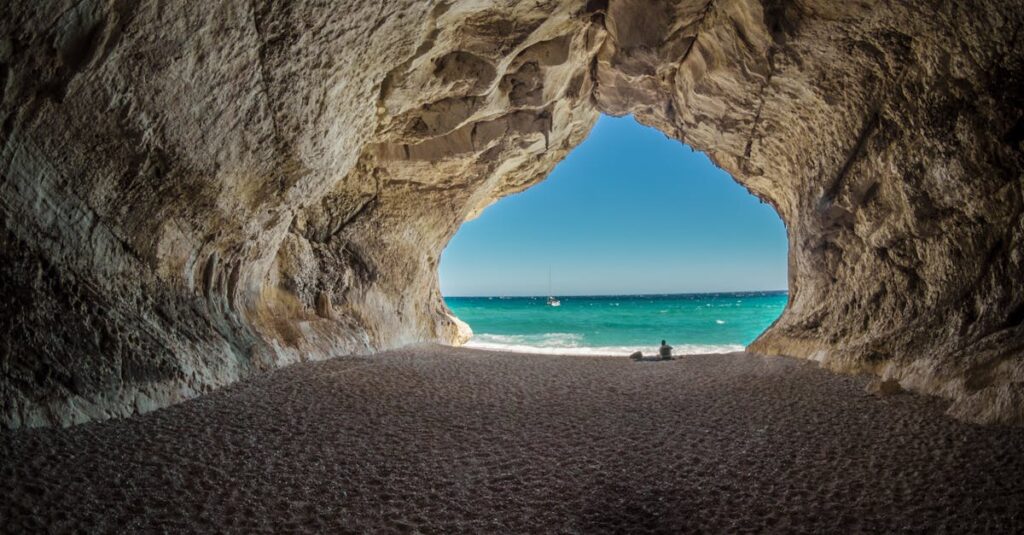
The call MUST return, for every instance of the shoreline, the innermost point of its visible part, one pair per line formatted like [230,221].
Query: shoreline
[618,324]
[603,351]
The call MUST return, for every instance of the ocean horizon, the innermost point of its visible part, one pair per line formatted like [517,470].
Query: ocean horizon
[693,323]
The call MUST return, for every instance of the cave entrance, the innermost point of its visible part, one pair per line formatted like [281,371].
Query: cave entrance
[639,237]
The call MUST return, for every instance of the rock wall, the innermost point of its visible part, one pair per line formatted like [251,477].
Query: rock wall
[193,193]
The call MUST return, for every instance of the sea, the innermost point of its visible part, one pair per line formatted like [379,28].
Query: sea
[619,324]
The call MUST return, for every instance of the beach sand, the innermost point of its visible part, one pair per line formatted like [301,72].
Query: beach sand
[435,439]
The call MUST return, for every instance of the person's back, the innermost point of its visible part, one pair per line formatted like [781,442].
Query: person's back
[665,351]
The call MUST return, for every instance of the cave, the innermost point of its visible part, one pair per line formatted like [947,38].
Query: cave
[193,194]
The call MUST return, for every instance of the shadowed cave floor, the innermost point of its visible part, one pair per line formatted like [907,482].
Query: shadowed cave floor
[434,439]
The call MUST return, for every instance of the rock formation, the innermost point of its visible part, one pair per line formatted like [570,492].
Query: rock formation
[191,193]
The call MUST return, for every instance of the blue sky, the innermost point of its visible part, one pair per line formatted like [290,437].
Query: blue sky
[628,211]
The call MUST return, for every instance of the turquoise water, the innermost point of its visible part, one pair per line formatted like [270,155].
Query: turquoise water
[616,325]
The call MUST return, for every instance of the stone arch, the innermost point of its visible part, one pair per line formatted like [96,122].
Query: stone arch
[229,187]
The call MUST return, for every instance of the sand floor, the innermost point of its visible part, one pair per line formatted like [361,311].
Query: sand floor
[441,440]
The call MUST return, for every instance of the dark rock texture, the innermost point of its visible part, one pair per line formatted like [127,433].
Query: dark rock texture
[194,192]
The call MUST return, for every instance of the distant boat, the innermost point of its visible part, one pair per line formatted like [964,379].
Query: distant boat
[552,300]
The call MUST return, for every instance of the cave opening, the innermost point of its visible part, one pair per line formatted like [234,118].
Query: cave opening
[633,238]
[278,186]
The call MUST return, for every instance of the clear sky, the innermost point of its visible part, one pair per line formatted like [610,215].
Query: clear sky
[629,211]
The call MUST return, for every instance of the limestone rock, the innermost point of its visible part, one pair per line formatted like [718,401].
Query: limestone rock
[324,308]
[194,192]
[463,332]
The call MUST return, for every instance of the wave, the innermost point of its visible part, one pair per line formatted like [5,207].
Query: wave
[572,344]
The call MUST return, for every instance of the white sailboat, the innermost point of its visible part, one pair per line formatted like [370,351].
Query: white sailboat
[552,300]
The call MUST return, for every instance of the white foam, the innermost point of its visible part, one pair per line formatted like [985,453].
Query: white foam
[570,344]
[546,340]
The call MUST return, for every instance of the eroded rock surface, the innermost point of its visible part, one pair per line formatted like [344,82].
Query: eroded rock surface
[192,193]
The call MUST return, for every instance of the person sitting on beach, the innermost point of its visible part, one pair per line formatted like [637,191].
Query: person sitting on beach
[665,351]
